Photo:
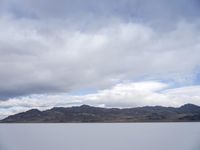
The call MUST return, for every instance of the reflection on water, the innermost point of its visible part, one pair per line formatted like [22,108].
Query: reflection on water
[108,136]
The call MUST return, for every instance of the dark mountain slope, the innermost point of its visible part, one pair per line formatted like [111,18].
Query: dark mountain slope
[85,113]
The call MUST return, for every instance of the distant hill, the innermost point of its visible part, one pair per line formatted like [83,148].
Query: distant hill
[85,113]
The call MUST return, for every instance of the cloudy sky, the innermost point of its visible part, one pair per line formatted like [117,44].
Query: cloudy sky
[116,53]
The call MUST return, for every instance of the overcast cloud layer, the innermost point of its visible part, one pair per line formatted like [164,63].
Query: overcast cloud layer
[51,49]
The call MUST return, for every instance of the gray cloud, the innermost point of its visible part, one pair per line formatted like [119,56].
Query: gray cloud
[35,61]
[62,46]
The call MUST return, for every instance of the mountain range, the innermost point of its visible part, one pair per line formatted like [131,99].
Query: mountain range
[86,113]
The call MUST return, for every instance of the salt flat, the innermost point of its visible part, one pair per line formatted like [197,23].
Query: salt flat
[100,136]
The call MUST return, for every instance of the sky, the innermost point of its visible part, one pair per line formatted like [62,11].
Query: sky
[116,53]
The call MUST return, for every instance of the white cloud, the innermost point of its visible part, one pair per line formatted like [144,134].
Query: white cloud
[130,94]
[182,95]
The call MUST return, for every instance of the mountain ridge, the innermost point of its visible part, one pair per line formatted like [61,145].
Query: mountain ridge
[87,113]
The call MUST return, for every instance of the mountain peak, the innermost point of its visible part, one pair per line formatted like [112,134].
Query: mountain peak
[85,106]
[34,111]
[187,106]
